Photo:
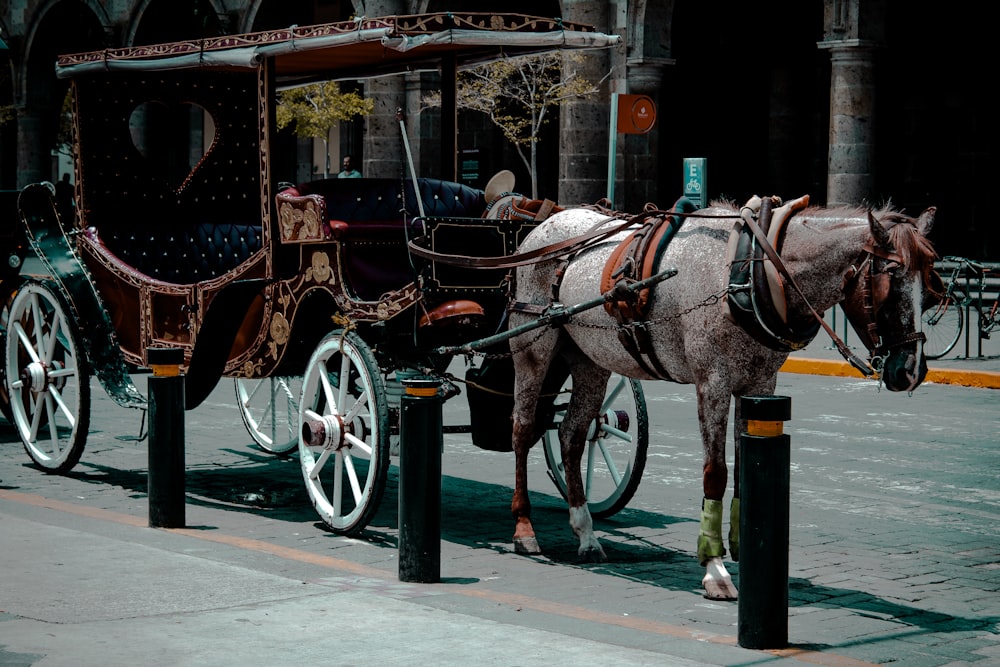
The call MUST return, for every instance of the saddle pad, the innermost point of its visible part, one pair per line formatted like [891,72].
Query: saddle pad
[637,258]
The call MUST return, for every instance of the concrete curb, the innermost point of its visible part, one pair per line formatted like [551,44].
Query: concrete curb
[981,379]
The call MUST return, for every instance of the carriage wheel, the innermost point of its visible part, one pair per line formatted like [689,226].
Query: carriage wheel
[344,432]
[616,448]
[942,325]
[4,319]
[47,378]
[270,411]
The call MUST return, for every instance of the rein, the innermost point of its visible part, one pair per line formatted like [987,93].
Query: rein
[553,250]
[564,247]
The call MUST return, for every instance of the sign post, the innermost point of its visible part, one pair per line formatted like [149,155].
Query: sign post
[630,114]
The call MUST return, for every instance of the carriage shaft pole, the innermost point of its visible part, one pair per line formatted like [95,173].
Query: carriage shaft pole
[166,439]
[420,444]
[764,517]
[557,314]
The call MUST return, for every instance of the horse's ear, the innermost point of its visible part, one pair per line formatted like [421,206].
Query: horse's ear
[926,220]
[880,233]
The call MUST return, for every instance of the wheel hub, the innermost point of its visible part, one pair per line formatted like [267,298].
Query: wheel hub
[327,432]
[34,376]
[614,419]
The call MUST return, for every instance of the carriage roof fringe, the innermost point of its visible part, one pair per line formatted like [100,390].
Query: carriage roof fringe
[405,44]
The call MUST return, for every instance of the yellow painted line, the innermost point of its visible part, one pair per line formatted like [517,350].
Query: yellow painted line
[981,379]
[514,600]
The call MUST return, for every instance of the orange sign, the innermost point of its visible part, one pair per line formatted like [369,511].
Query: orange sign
[636,114]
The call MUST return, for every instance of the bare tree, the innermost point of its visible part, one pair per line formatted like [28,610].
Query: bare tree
[518,93]
[317,108]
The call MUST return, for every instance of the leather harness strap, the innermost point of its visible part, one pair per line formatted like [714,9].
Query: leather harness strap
[564,247]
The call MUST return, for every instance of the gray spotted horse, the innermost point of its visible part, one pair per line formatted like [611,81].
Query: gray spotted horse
[752,283]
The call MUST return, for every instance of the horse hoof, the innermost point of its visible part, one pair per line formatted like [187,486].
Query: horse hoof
[527,546]
[593,555]
[717,582]
[720,591]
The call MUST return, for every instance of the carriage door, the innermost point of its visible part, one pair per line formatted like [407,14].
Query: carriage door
[170,315]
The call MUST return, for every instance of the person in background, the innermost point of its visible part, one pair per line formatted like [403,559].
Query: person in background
[349,171]
[64,199]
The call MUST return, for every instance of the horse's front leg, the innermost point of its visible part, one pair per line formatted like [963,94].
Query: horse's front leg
[713,413]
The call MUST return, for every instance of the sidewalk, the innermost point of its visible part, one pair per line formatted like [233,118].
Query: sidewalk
[86,586]
[253,579]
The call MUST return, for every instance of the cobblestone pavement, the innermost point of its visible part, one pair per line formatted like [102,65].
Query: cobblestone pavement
[894,553]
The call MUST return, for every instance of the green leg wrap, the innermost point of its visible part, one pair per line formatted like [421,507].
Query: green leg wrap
[734,529]
[710,537]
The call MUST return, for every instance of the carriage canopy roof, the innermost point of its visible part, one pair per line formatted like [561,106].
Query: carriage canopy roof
[354,49]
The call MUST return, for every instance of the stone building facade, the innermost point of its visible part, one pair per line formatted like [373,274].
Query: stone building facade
[850,101]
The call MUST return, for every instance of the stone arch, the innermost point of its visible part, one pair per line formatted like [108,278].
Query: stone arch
[155,21]
[59,26]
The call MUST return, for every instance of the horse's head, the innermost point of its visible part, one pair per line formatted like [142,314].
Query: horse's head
[884,295]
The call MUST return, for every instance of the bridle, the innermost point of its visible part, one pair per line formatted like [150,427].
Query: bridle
[866,288]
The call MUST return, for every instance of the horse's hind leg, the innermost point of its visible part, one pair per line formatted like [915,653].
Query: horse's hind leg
[531,365]
[589,384]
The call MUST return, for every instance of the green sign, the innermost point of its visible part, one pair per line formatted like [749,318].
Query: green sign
[696,180]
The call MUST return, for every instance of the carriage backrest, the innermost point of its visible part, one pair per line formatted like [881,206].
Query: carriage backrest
[359,205]
[173,208]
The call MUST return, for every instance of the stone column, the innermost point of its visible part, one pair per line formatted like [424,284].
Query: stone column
[383,156]
[34,162]
[639,169]
[851,157]
[583,124]
[383,142]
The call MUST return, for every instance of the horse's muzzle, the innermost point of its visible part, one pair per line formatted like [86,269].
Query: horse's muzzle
[904,370]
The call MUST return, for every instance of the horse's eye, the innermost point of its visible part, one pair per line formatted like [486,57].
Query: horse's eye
[895,268]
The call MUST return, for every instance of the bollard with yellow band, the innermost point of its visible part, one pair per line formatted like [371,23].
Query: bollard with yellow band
[763,522]
[166,484]
[420,443]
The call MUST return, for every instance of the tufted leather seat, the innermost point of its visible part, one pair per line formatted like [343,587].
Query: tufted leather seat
[184,255]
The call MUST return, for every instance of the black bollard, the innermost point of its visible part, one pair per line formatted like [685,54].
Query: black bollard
[764,492]
[166,438]
[420,445]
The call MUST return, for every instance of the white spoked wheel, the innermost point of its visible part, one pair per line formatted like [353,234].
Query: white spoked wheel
[617,442]
[47,378]
[344,432]
[270,411]
[4,318]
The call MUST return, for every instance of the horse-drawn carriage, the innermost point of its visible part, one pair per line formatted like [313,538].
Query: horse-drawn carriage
[321,298]
[304,293]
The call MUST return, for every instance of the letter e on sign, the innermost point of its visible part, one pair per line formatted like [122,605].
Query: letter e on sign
[636,114]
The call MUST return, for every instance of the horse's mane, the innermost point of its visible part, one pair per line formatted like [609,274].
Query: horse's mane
[915,249]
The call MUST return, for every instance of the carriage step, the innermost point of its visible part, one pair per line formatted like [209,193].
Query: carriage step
[460,312]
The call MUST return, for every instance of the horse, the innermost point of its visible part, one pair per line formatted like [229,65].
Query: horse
[877,265]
